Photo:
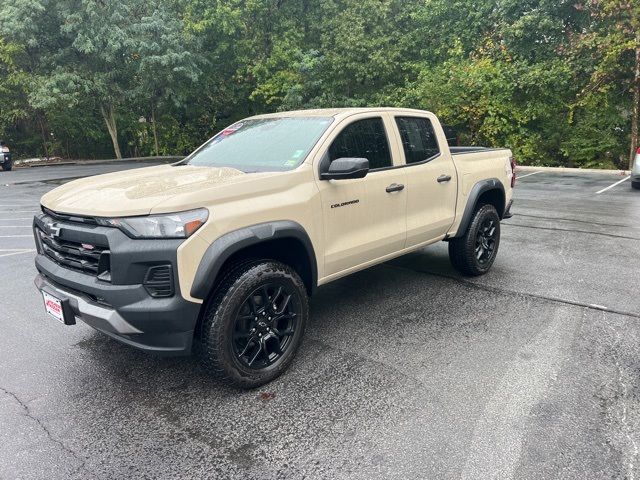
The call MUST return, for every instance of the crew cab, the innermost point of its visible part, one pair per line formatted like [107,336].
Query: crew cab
[218,254]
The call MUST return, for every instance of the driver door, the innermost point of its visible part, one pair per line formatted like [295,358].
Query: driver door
[364,219]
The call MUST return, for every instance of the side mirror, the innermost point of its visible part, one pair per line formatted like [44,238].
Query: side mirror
[346,168]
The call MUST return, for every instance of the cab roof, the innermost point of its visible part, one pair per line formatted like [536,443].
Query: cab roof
[338,112]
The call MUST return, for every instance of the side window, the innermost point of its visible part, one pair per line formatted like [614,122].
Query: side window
[363,139]
[418,138]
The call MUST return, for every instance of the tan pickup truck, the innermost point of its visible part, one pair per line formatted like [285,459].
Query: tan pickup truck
[218,253]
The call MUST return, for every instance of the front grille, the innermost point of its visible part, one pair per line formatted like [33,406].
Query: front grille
[83,257]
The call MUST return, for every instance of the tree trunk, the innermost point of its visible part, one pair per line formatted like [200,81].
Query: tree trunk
[110,119]
[153,128]
[635,110]
[44,137]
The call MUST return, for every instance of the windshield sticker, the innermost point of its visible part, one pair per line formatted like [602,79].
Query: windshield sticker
[232,129]
[290,163]
[297,154]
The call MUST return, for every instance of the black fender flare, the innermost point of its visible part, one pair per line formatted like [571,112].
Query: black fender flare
[478,189]
[225,246]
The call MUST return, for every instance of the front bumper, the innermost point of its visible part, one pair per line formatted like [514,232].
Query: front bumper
[123,307]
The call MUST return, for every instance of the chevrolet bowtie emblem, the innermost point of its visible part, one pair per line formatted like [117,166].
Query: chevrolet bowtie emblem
[54,230]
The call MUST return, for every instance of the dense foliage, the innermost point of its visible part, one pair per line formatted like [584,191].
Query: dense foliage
[555,80]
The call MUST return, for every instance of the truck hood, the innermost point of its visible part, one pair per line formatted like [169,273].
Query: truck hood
[137,192]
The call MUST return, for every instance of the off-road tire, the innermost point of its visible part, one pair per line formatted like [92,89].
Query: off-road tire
[215,346]
[635,185]
[462,251]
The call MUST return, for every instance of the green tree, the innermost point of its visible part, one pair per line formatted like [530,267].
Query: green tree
[612,46]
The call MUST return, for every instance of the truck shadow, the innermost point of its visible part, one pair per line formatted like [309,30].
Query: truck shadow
[361,298]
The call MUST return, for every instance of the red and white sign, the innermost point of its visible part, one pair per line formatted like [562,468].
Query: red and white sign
[53,306]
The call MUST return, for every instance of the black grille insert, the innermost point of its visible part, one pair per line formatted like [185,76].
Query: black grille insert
[159,281]
[83,257]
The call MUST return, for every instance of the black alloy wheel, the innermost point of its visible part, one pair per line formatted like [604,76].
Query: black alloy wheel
[486,240]
[265,325]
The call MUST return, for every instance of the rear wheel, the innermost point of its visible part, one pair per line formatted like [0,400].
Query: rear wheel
[473,254]
[254,324]
[7,166]
[635,185]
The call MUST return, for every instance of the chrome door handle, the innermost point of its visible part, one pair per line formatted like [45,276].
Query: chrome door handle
[395,187]
[444,178]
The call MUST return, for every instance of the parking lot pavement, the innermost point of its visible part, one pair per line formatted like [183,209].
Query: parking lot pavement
[407,370]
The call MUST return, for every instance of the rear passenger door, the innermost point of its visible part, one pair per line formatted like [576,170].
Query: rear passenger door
[431,180]
[364,219]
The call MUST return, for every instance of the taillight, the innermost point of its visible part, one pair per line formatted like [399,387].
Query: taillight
[513,171]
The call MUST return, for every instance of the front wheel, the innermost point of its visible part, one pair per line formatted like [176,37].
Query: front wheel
[7,166]
[635,185]
[474,252]
[254,324]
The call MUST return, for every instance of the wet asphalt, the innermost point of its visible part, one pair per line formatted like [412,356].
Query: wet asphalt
[408,371]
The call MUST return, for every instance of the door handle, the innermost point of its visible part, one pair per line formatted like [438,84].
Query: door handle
[395,187]
[444,178]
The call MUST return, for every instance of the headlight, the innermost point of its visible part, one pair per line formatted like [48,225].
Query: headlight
[169,225]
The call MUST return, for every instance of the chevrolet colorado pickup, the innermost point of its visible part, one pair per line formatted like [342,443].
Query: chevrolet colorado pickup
[218,253]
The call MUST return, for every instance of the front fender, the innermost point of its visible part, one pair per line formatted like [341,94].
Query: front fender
[230,243]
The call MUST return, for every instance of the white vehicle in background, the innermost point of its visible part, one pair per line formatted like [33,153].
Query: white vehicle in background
[635,173]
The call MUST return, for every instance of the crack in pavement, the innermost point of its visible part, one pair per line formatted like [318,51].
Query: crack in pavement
[573,220]
[554,229]
[28,414]
[490,288]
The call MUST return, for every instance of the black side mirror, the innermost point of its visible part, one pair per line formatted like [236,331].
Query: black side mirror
[345,168]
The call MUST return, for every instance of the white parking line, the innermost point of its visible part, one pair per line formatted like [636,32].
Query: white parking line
[15,218]
[16,236]
[15,226]
[31,250]
[527,175]
[611,186]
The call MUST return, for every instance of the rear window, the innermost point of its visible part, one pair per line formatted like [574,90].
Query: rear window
[262,145]
[418,139]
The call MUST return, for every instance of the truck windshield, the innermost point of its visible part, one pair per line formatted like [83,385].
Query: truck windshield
[262,145]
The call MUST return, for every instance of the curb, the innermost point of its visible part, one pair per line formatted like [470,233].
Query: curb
[527,168]
[166,158]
